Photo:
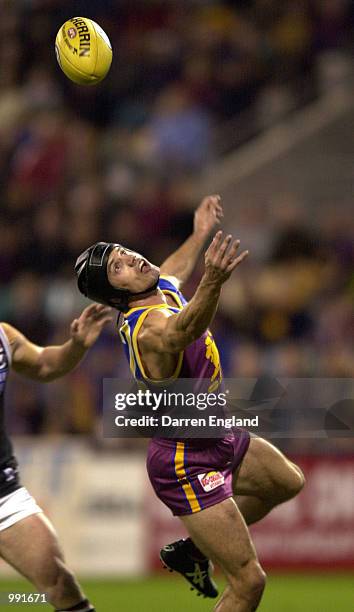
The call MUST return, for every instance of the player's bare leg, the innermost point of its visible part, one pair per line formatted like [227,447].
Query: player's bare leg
[265,479]
[220,533]
[31,547]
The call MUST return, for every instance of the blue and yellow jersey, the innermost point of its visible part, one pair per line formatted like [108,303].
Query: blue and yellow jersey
[200,360]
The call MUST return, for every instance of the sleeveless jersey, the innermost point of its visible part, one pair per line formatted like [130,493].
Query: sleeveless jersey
[200,360]
[177,466]
[8,466]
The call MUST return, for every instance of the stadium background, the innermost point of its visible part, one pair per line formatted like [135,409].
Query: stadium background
[251,99]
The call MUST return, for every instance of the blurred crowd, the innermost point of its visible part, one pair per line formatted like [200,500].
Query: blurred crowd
[118,162]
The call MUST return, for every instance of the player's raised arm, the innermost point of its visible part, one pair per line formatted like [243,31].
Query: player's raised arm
[166,333]
[47,363]
[182,262]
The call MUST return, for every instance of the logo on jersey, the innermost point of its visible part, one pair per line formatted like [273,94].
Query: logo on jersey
[212,354]
[211,481]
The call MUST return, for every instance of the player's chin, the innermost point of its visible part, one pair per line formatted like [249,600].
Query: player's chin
[153,274]
[155,271]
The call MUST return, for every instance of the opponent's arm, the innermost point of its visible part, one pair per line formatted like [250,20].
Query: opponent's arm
[50,362]
[166,333]
[182,262]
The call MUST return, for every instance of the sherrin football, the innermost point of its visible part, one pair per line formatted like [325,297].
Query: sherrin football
[83,51]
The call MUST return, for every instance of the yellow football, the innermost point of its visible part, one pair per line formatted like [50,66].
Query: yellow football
[83,51]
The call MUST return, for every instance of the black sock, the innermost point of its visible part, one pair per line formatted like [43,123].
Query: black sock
[194,552]
[83,606]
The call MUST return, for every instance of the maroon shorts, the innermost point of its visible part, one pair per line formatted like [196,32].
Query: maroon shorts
[191,475]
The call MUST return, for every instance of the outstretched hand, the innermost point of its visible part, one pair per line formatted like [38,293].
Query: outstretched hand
[222,258]
[86,329]
[208,214]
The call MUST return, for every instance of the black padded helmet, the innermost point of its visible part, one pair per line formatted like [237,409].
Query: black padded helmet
[92,279]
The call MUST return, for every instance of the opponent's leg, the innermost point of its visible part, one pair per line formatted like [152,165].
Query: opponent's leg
[221,534]
[265,479]
[31,547]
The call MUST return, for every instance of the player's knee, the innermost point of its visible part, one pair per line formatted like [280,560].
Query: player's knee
[255,578]
[249,581]
[296,482]
[289,486]
[58,581]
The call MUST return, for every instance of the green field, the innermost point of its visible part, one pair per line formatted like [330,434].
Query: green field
[284,593]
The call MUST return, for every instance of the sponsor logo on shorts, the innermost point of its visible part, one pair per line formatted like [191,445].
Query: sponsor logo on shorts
[72,32]
[211,480]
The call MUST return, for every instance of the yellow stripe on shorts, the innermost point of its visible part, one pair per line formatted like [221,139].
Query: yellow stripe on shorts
[182,476]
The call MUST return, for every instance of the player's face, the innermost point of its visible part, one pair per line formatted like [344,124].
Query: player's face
[129,270]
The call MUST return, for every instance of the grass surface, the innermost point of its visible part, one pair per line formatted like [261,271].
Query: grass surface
[284,593]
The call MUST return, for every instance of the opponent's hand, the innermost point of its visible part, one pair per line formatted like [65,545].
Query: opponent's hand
[222,258]
[85,330]
[208,214]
